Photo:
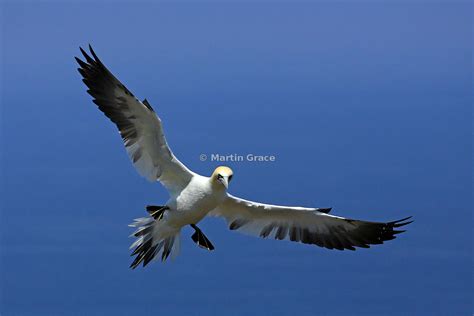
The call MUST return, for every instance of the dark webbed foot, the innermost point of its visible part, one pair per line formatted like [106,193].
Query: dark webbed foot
[156,211]
[200,239]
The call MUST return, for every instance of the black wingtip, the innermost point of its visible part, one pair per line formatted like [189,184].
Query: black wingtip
[93,54]
[86,56]
[403,219]
[402,222]
[81,63]
[78,61]
[395,232]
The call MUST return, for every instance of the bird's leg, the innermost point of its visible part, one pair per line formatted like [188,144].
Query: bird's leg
[200,239]
[156,212]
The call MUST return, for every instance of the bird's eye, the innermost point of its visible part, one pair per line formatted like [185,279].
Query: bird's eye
[230,177]
[219,176]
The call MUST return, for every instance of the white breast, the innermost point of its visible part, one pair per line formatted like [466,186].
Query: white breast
[194,202]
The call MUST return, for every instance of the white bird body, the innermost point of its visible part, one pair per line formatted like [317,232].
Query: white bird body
[193,197]
[194,202]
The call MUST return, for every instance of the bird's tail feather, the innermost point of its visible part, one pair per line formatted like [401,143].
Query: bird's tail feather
[155,239]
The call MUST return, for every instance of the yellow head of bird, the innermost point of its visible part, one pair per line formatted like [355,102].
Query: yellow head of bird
[222,175]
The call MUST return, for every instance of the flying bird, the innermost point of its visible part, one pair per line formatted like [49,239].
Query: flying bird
[194,197]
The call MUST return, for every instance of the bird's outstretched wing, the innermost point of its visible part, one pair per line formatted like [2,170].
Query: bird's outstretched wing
[306,225]
[139,126]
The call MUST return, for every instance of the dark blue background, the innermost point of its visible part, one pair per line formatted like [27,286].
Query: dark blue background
[367,107]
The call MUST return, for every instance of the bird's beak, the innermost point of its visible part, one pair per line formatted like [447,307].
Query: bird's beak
[225,181]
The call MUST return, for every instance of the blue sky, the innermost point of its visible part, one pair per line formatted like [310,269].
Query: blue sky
[366,105]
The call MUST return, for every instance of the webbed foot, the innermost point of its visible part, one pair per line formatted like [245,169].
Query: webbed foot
[200,239]
[156,211]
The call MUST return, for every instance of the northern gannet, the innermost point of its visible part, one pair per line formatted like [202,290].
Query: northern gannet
[193,197]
